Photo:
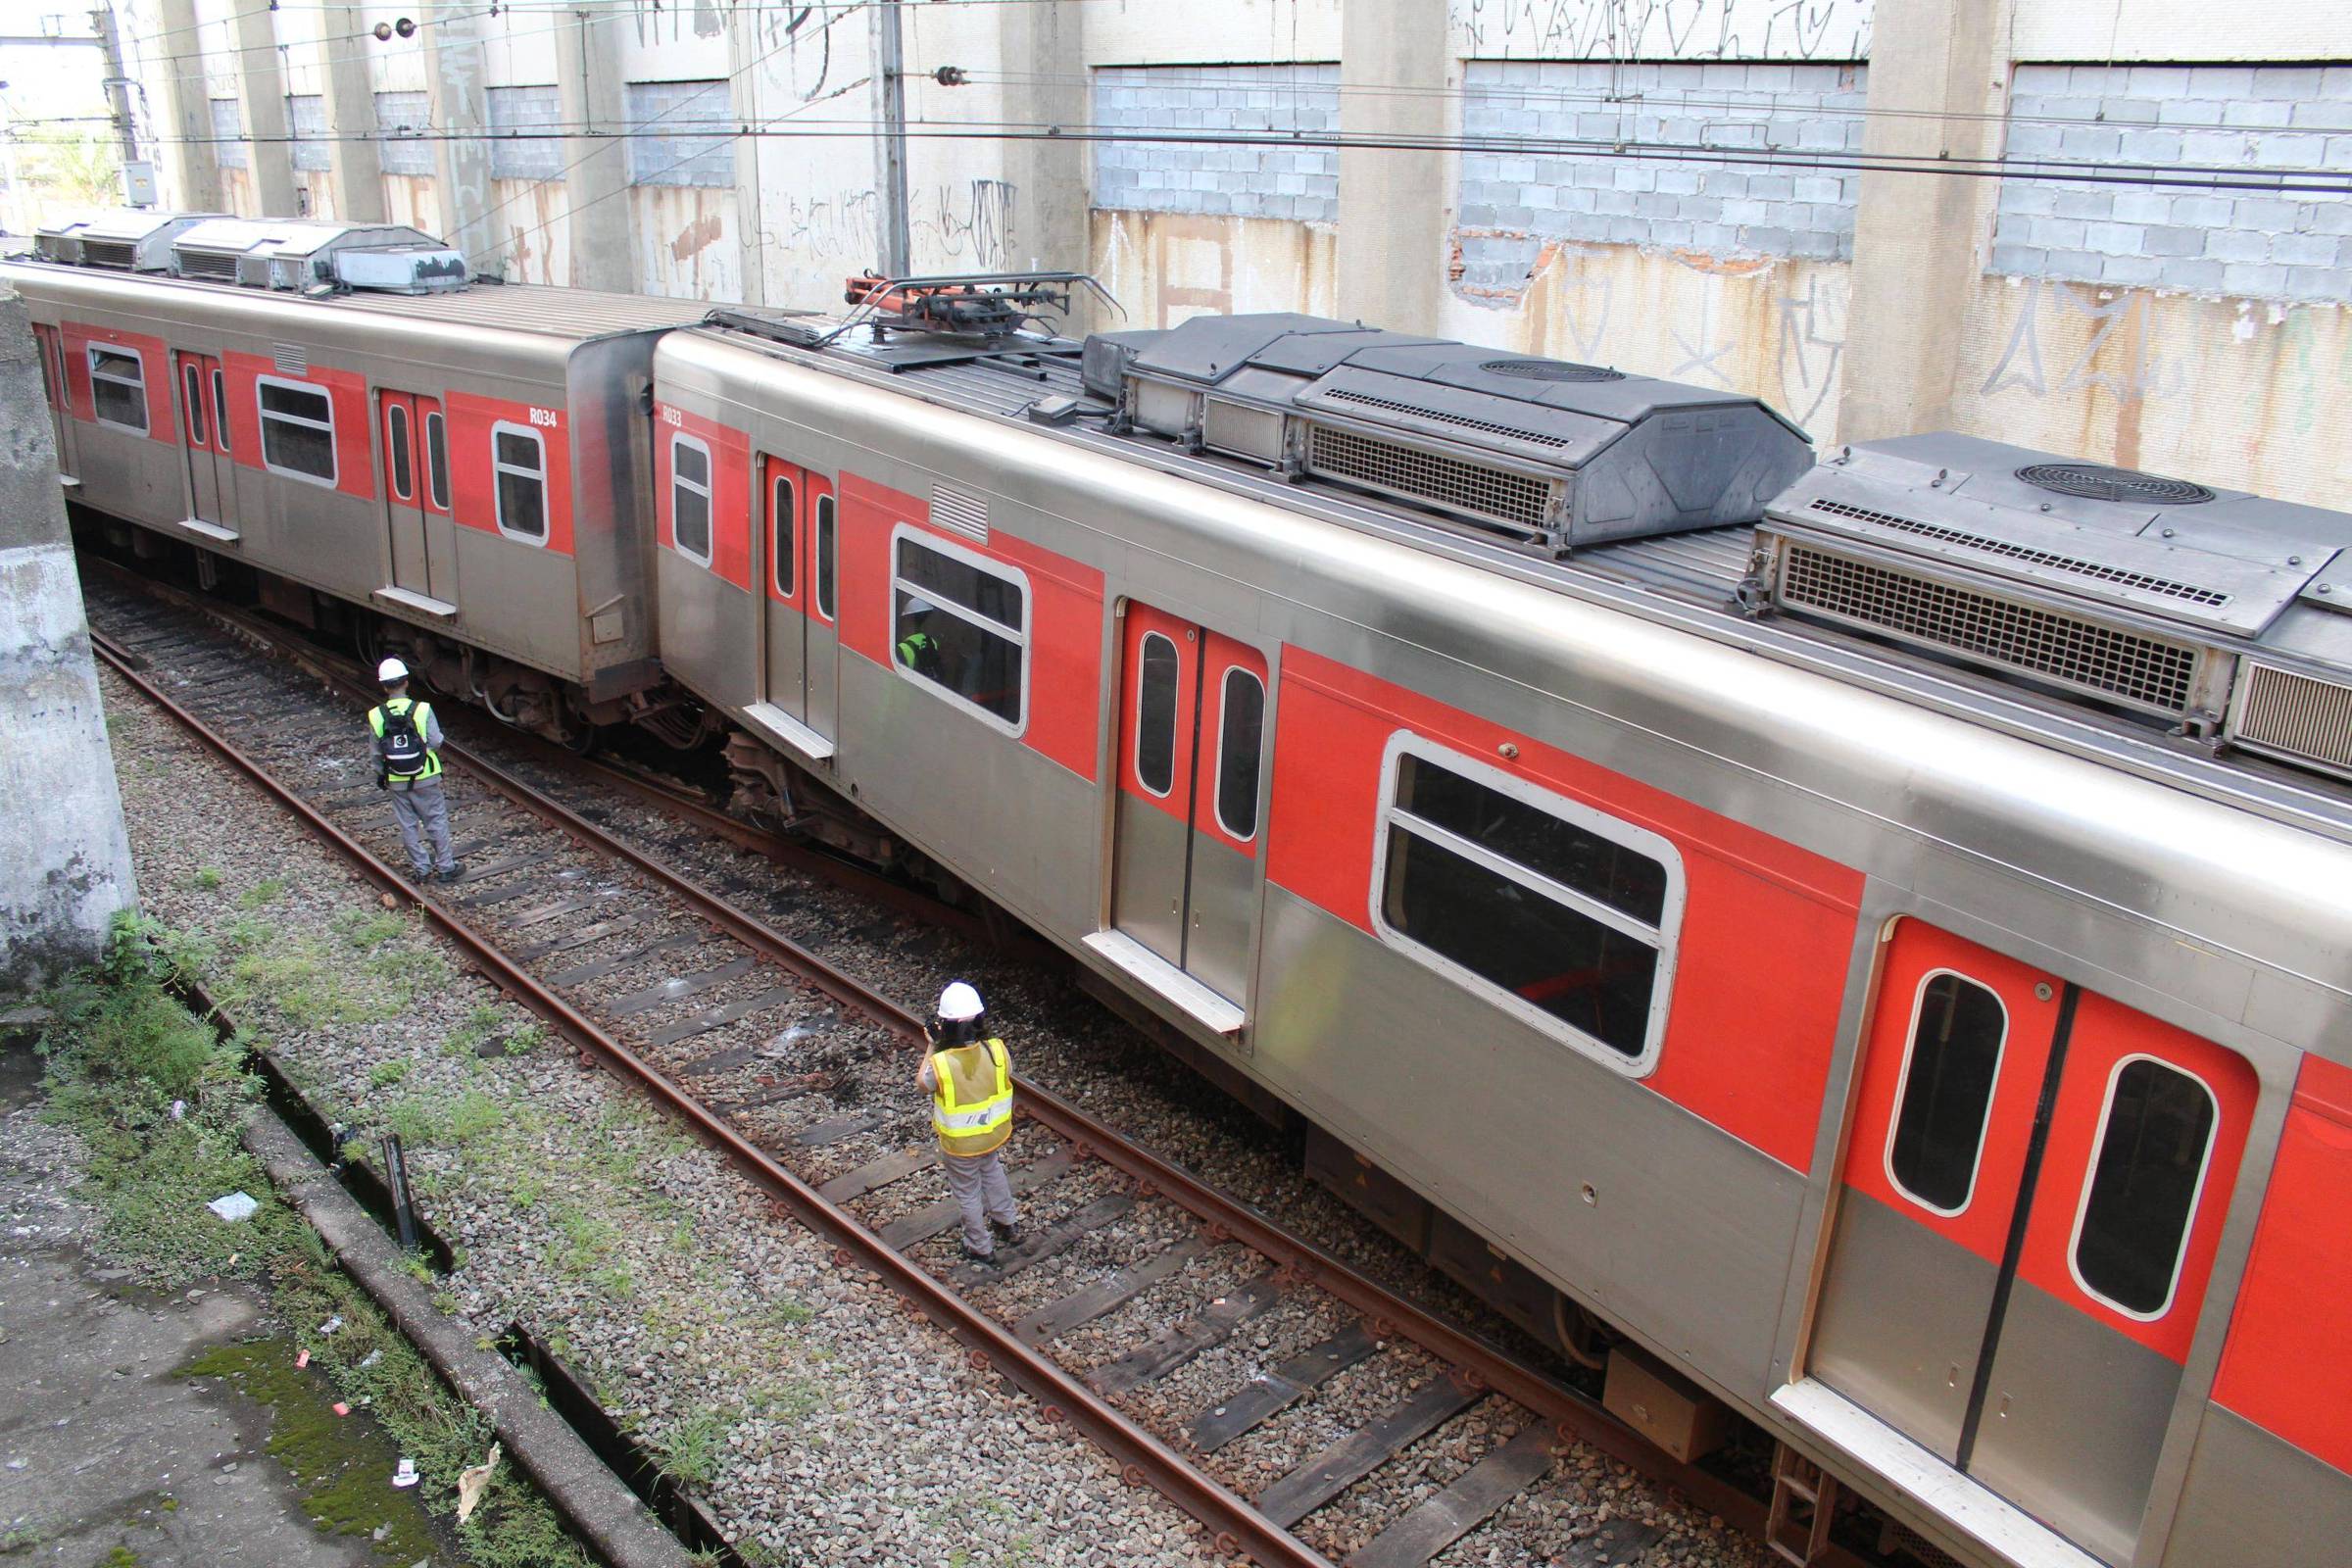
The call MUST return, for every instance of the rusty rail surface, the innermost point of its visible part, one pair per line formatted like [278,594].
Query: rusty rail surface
[1145,1457]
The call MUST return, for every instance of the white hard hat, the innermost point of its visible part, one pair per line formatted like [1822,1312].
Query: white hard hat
[959,1002]
[917,604]
[390,670]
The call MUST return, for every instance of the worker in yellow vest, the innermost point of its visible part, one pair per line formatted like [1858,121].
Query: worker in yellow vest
[969,1078]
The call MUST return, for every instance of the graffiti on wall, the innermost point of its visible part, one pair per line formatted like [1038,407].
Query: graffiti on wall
[1666,29]
[2108,343]
[968,224]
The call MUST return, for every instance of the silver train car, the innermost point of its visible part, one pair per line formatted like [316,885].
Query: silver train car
[1874,932]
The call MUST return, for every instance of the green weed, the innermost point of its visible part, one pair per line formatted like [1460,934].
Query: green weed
[267,890]
[696,1445]
[206,879]
[384,1074]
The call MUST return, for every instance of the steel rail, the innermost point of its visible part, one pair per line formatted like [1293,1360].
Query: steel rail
[1144,1458]
[1573,1415]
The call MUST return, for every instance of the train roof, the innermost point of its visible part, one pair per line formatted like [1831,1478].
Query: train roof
[1701,579]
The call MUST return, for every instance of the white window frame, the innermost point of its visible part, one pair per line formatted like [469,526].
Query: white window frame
[1216,778]
[402,454]
[194,419]
[498,497]
[824,563]
[707,490]
[2001,1058]
[1136,765]
[792,527]
[2090,1175]
[436,476]
[260,429]
[1018,636]
[91,351]
[1665,937]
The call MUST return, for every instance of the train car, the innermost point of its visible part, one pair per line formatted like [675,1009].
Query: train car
[1871,932]
[1860,956]
[462,466]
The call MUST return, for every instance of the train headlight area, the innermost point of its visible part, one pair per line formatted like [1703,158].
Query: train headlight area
[1859,931]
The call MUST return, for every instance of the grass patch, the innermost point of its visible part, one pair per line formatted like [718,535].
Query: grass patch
[384,1074]
[206,879]
[267,890]
[691,1455]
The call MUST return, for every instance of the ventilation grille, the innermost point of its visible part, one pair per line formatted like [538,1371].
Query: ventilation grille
[2295,716]
[292,358]
[959,511]
[1551,371]
[1463,422]
[1514,497]
[1253,432]
[2106,662]
[2094,481]
[217,269]
[121,254]
[2188,593]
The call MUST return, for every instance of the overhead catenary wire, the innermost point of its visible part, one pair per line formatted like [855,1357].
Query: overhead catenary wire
[2247,179]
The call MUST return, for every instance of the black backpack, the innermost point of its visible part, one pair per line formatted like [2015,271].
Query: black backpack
[403,747]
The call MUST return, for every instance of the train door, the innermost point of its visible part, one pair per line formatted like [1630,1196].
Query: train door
[205,436]
[783,556]
[414,440]
[54,384]
[2033,1192]
[1184,866]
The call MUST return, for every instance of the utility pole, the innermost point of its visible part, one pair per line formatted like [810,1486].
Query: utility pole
[117,85]
[891,88]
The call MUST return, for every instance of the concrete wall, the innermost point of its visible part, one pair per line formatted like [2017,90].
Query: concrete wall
[2101,318]
[64,861]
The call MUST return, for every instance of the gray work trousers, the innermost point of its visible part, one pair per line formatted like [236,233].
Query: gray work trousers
[982,1193]
[422,809]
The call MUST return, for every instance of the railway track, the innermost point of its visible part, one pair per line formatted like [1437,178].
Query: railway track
[802,1074]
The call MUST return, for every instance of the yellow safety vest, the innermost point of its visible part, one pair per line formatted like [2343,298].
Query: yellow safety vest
[423,714]
[971,1098]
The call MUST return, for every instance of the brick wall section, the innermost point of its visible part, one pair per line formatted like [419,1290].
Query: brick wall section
[306,119]
[402,119]
[670,140]
[1512,200]
[1300,184]
[516,112]
[2288,245]
[228,130]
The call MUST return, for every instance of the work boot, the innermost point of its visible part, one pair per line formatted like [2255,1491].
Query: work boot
[1009,1235]
[454,871]
[977,1256]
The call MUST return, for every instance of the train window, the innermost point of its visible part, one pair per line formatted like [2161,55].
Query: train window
[824,557]
[2146,1172]
[1543,905]
[220,408]
[192,383]
[690,496]
[398,453]
[436,459]
[973,613]
[1156,682]
[1944,1099]
[518,456]
[298,430]
[1240,740]
[780,542]
[118,388]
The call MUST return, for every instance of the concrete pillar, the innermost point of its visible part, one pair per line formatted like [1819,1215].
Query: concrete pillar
[64,861]
[745,47]
[358,169]
[456,94]
[262,84]
[1393,81]
[191,168]
[1048,224]
[1938,88]
[596,178]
